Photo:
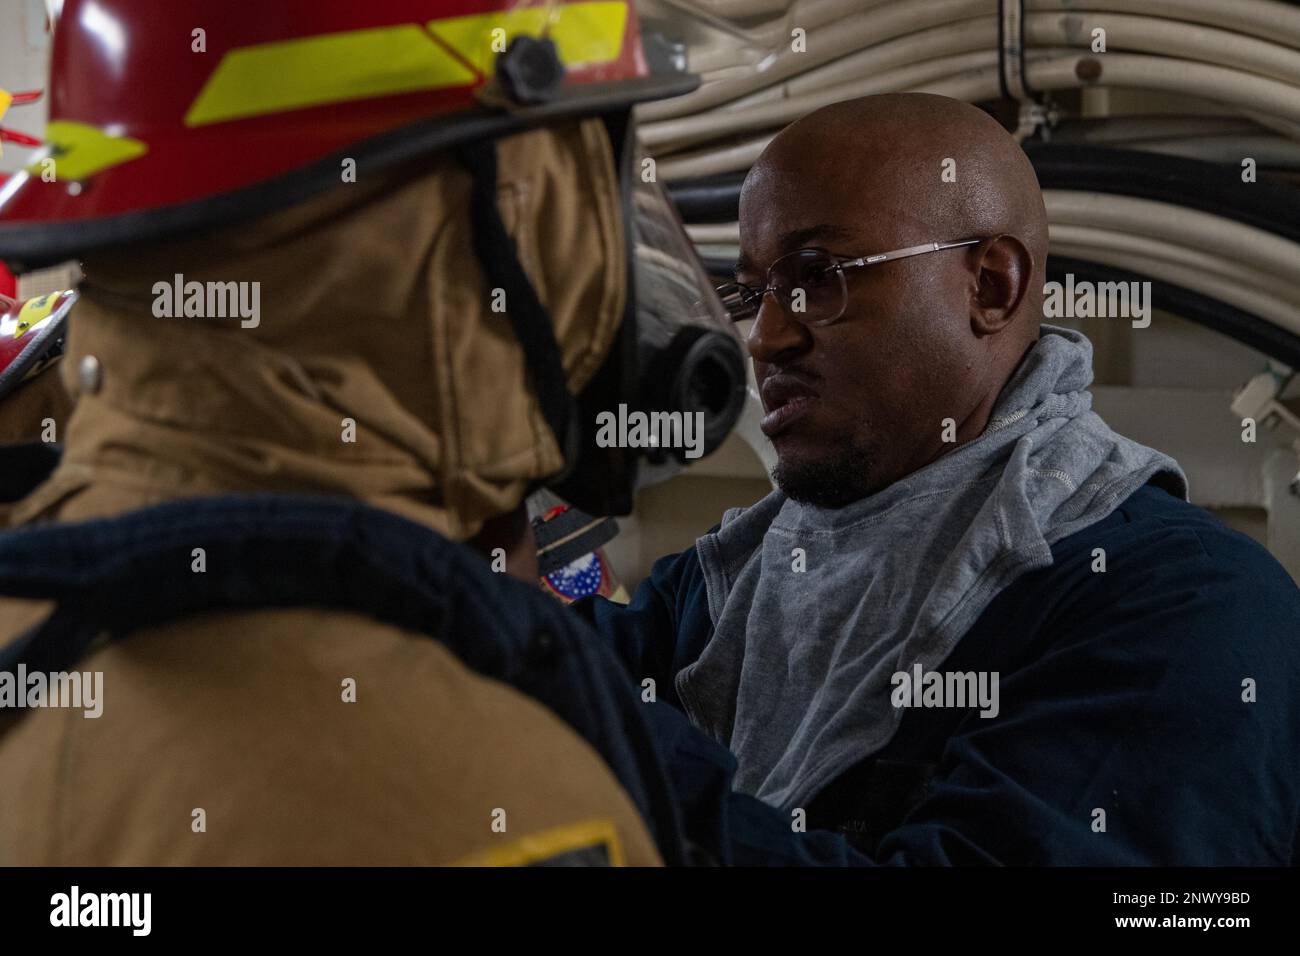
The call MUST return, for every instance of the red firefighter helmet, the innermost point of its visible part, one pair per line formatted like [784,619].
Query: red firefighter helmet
[169,117]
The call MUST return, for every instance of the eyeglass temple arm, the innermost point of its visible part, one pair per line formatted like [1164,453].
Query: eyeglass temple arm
[910,251]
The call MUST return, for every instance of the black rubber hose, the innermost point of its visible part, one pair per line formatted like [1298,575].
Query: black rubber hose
[710,199]
[1214,188]
[1246,328]
[720,270]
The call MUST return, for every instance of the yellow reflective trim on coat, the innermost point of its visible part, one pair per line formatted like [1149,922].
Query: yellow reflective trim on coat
[548,844]
[584,33]
[329,68]
[80,150]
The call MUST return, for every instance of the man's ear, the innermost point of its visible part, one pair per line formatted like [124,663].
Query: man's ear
[1003,266]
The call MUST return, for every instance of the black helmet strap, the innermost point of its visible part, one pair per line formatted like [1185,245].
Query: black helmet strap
[528,316]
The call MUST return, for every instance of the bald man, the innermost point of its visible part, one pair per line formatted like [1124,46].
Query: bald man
[973,624]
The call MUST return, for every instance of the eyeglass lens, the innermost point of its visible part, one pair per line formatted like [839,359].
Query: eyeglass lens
[806,283]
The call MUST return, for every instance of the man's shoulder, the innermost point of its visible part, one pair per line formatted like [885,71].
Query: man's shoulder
[1156,570]
[1155,530]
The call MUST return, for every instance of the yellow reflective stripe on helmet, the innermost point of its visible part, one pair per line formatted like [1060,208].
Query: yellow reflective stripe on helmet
[584,33]
[34,310]
[330,68]
[359,64]
[80,150]
[550,844]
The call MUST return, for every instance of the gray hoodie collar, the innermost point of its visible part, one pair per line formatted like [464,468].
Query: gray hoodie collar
[796,677]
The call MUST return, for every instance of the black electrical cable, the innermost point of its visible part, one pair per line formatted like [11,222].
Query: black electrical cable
[709,199]
[1246,328]
[720,270]
[1214,188]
